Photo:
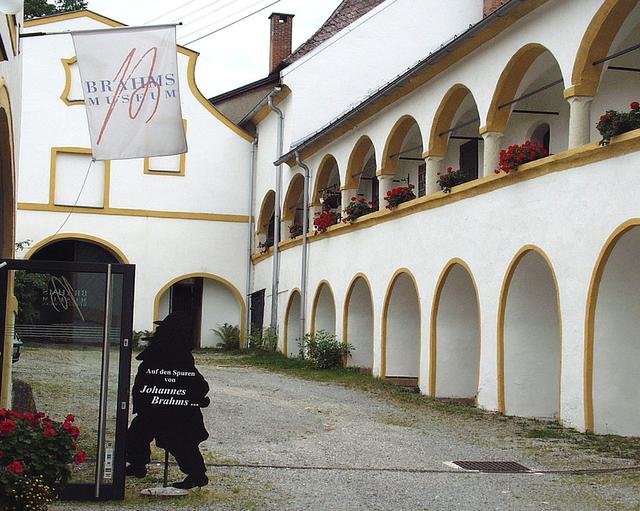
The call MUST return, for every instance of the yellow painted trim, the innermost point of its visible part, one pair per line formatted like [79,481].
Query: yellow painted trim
[357,162]
[394,143]
[285,344]
[322,177]
[443,120]
[435,306]
[385,314]
[502,307]
[314,306]
[465,49]
[12,23]
[508,84]
[266,210]
[147,213]
[294,191]
[52,177]
[209,276]
[590,316]
[73,15]
[66,66]
[345,311]
[596,44]
[257,258]
[107,245]
[567,160]
[183,163]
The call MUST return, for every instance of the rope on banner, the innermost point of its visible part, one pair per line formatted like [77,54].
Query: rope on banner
[84,182]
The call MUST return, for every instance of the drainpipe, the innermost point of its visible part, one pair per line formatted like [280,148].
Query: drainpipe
[305,244]
[252,192]
[278,213]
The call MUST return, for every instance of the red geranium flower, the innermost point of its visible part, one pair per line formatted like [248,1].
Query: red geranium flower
[16,467]
[7,426]
[81,456]
[49,432]
[635,106]
[75,432]
[70,418]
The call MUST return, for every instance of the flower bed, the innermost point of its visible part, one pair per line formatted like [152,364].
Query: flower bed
[614,123]
[324,220]
[398,195]
[450,179]
[357,208]
[36,455]
[516,155]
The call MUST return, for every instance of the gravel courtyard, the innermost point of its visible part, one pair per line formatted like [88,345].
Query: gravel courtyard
[376,454]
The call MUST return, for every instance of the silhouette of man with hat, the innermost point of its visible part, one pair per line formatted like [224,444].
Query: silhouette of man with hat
[168,393]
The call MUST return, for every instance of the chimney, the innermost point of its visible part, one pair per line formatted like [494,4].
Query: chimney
[493,5]
[281,32]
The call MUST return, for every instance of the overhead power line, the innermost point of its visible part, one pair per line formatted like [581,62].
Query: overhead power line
[196,11]
[229,24]
[172,11]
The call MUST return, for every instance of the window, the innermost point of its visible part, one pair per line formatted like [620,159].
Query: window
[76,181]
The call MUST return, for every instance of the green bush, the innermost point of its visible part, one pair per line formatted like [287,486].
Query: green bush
[229,337]
[265,340]
[323,350]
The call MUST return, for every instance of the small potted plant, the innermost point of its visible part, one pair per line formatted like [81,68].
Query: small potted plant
[356,208]
[516,155]
[397,196]
[324,220]
[295,230]
[36,458]
[614,123]
[450,179]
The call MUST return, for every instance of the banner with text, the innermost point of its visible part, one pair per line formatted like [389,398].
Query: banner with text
[130,83]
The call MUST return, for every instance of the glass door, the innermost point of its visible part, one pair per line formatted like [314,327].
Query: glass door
[71,326]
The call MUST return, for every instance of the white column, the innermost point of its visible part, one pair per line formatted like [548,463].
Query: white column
[346,197]
[434,165]
[579,120]
[491,152]
[385,183]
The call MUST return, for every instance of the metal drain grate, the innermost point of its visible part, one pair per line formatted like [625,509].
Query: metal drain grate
[495,467]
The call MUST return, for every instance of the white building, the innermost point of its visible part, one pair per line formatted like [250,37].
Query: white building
[520,291]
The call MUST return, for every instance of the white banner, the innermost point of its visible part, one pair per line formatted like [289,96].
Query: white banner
[130,83]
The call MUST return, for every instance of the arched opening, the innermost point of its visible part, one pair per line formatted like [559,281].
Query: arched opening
[358,322]
[401,330]
[326,192]
[76,248]
[612,353]
[292,332]
[455,133]
[323,314]
[7,185]
[541,134]
[361,172]
[613,82]
[529,93]
[211,301]
[266,220]
[403,158]
[529,338]
[455,335]
[293,207]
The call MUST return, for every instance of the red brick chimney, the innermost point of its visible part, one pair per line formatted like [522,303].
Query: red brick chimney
[281,33]
[493,5]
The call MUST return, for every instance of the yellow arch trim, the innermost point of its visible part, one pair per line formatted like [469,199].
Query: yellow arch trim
[209,276]
[385,314]
[66,65]
[107,245]
[316,297]
[443,120]
[590,315]
[394,143]
[595,45]
[357,161]
[433,343]
[296,188]
[294,291]
[508,85]
[191,69]
[502,307]
[347,302]
[266,209]
[322,177]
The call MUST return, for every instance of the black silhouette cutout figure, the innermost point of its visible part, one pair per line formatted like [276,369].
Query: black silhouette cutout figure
[168,393]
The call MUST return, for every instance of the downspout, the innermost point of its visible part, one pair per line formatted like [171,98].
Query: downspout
[305,244]
[252,193]
[278,213]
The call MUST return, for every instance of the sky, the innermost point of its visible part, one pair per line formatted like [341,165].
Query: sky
[234,56]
